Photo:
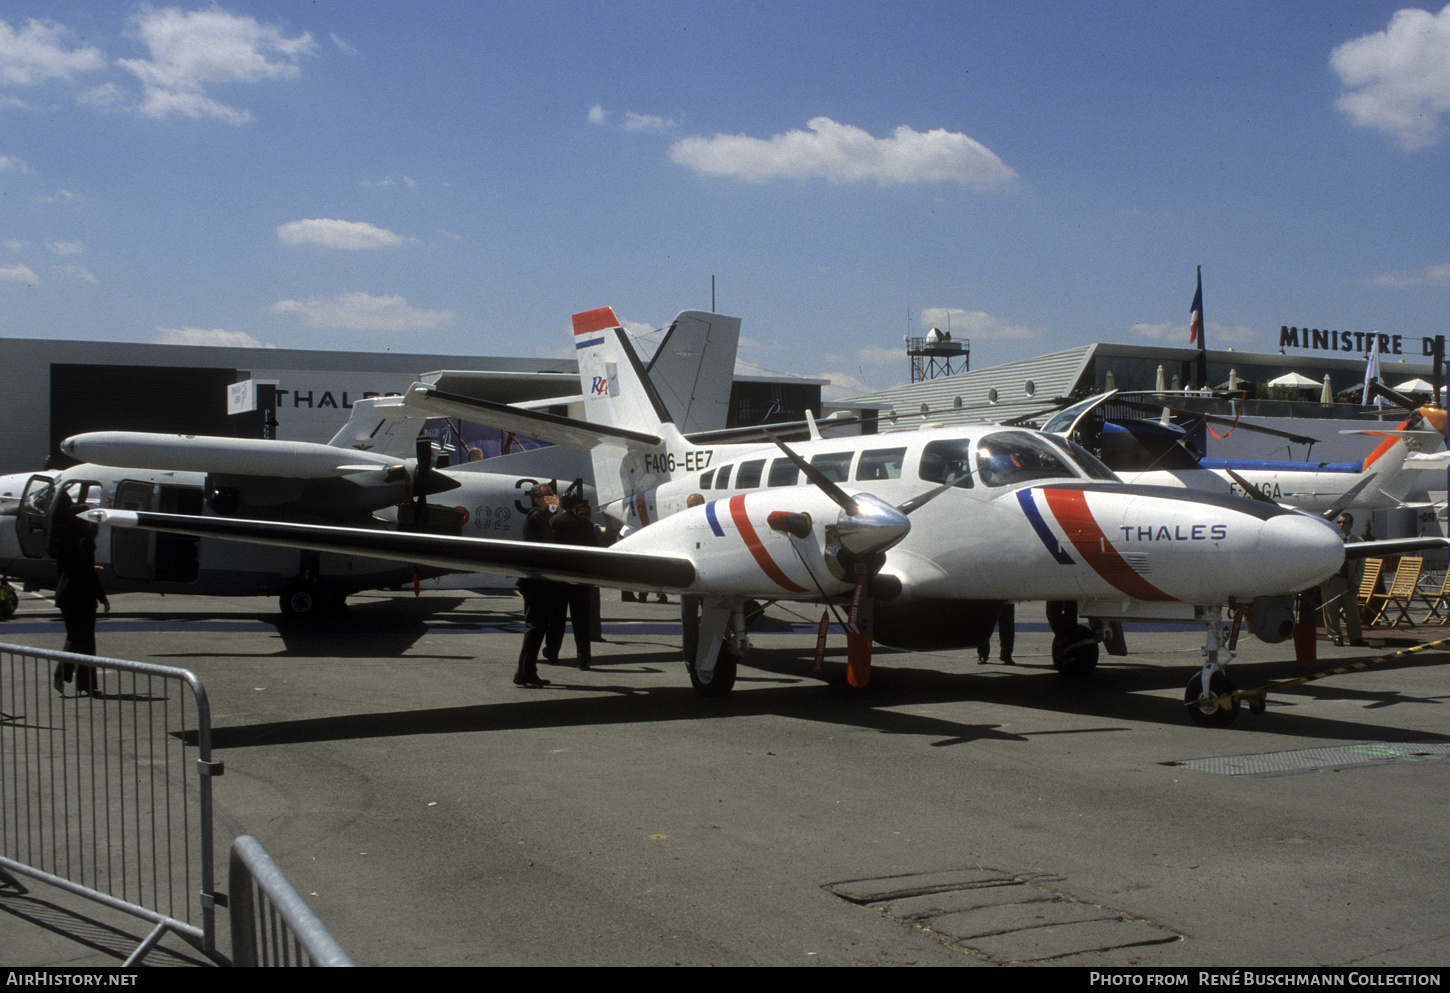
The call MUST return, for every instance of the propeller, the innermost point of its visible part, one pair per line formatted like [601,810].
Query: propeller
[866,528]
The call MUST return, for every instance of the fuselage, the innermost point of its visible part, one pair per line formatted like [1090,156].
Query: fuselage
[1030,517]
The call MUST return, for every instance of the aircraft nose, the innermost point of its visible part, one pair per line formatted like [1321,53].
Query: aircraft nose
[1298,551]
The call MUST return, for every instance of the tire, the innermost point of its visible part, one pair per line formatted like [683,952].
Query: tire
[1219,716]
[1075,655]
[722,678]
[301,600]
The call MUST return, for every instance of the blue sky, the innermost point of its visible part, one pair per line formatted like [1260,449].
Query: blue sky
[461,177]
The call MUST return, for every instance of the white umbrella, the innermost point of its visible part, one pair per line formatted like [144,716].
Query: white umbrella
[1295,380]
[1414,386]
[1158,380]
[1327,394]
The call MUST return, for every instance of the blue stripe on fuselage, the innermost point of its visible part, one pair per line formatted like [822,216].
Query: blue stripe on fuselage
[714,521]
[1029,507]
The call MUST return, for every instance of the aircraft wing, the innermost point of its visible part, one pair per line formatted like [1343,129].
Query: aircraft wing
[1393,546]
[224,456]
[566,563]
[530,423]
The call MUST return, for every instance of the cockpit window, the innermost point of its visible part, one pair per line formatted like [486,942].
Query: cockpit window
[1085,459]
[722,478]
[947,461]
[1009,459]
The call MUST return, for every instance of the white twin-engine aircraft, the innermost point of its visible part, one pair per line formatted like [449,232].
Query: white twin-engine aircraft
[921,536]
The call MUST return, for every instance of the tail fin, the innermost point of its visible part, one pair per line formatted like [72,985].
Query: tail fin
[617,392]
[383,425]
[695,363]
[693,368]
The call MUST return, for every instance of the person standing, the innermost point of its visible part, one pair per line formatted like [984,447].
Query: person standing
[1006,634]
[542,600]
[573,526]
[77,592]
[1340,593]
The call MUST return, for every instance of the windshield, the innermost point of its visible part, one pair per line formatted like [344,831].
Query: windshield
[1011,458]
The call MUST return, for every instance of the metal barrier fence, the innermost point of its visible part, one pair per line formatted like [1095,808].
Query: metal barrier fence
[108,794]
[271,925]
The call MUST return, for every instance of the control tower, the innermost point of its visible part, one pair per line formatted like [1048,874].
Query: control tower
[932,356]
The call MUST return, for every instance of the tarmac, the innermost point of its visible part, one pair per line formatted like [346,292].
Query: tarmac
[949,814]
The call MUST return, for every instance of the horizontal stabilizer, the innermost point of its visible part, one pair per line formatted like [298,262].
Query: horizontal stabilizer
[538,424]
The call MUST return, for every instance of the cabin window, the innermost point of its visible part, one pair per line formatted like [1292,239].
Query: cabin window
[835,466]
[784,472]
[749,474]
[880,463]
[705,478]
[722,478]
[948,461]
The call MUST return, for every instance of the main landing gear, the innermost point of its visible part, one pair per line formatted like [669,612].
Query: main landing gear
[715,642]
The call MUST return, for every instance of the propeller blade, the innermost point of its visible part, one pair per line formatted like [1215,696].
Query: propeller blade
[1250,488]
[1158,408]
[1378,389]
[1347,499]
[917,502]
[821,481]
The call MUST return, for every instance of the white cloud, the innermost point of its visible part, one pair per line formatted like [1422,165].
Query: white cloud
[1398,80]
[348,235]
[18,274]
[77,272]
[9,163]
[841,153]
[975,325]
[192,50]
[363,312]
[1430,275]
[65,247]
[217,337]
[645,122]
[633,121]
[38,52]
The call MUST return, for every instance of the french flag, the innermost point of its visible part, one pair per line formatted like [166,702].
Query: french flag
[1195,323]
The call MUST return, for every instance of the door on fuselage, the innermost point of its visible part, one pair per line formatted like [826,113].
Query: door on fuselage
[153,555]
[36,512]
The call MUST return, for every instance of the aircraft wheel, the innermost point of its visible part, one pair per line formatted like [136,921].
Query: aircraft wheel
[1210,714]
[1076,654]
[301,599]
[721,681]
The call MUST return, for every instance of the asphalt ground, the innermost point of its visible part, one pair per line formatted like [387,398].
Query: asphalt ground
[950,814]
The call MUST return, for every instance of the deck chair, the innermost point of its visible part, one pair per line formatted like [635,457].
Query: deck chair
[1370,596]
[1403,590]
[1438,599]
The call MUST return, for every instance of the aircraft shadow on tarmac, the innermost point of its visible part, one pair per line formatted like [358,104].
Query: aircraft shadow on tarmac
[1121,693]
[377,628]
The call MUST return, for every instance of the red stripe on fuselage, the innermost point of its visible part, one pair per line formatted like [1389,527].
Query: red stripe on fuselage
[1071,510]
[752,542]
